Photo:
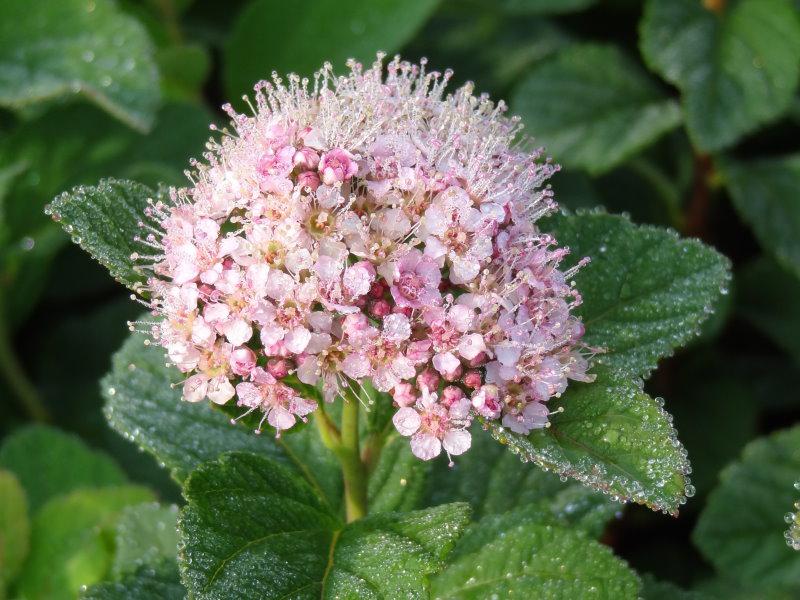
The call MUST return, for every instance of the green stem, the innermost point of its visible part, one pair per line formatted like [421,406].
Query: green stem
[15,375]
[355,475]
[345,445]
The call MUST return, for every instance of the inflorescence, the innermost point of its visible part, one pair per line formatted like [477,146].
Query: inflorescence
[367,227]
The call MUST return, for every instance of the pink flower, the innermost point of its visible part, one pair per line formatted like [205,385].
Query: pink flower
[416,281]
[337,165]
[486,402]
[279,403]
[432,426]
[404,394]
[532,416]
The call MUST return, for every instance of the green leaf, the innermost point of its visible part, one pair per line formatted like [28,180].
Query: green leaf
[764,193]
[741,529]
[71,541]
[48,463]
[645,292]
[14,528]
[79,144]
[728,589]
[143,407]
[494,481]
[56,48]
[708,384]
[543,7]
[146,536]
[184,69]
[146,584]
[252,528]
[612,437]
[104,220]
[736,70]
[398,479]
[769,297]
[792,534]
[518,555]
[593,107]
[652,589]
[273,35]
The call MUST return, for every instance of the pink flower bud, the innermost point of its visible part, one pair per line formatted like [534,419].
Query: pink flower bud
[377,290]
[243,361]
[380,308]
[451,394]
[278,367]
[306,158]
[428,378]
[473,379]
[308,179]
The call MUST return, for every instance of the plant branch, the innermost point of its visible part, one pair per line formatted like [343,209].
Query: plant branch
[695,222]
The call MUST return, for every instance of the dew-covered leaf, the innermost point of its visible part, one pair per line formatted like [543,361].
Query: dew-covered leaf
[612,437]
[49,462]
[144,408]
[146,536]
[56,48]
[14,528]
[593,107]
[765,195]
[737,69]
[768,296]
[252,528]
[792,534]
[519,555]
[741,529]
[104,220]
[398,479]
[645,292]
[148,583]
[494,481]
[273,35]
[70,541]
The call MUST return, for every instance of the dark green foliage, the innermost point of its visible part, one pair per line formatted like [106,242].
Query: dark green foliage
[682,114]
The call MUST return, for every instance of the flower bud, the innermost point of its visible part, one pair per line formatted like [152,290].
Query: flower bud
[380,308]
[278,367]
[243,360]
[428,378]
[473,379]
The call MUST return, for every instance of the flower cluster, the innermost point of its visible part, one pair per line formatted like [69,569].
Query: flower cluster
[368,227]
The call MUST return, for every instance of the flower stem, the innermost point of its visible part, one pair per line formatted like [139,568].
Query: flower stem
[345,445]
[355,475]
[15,376]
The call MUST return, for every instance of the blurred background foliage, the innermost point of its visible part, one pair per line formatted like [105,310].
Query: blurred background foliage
[681,113]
